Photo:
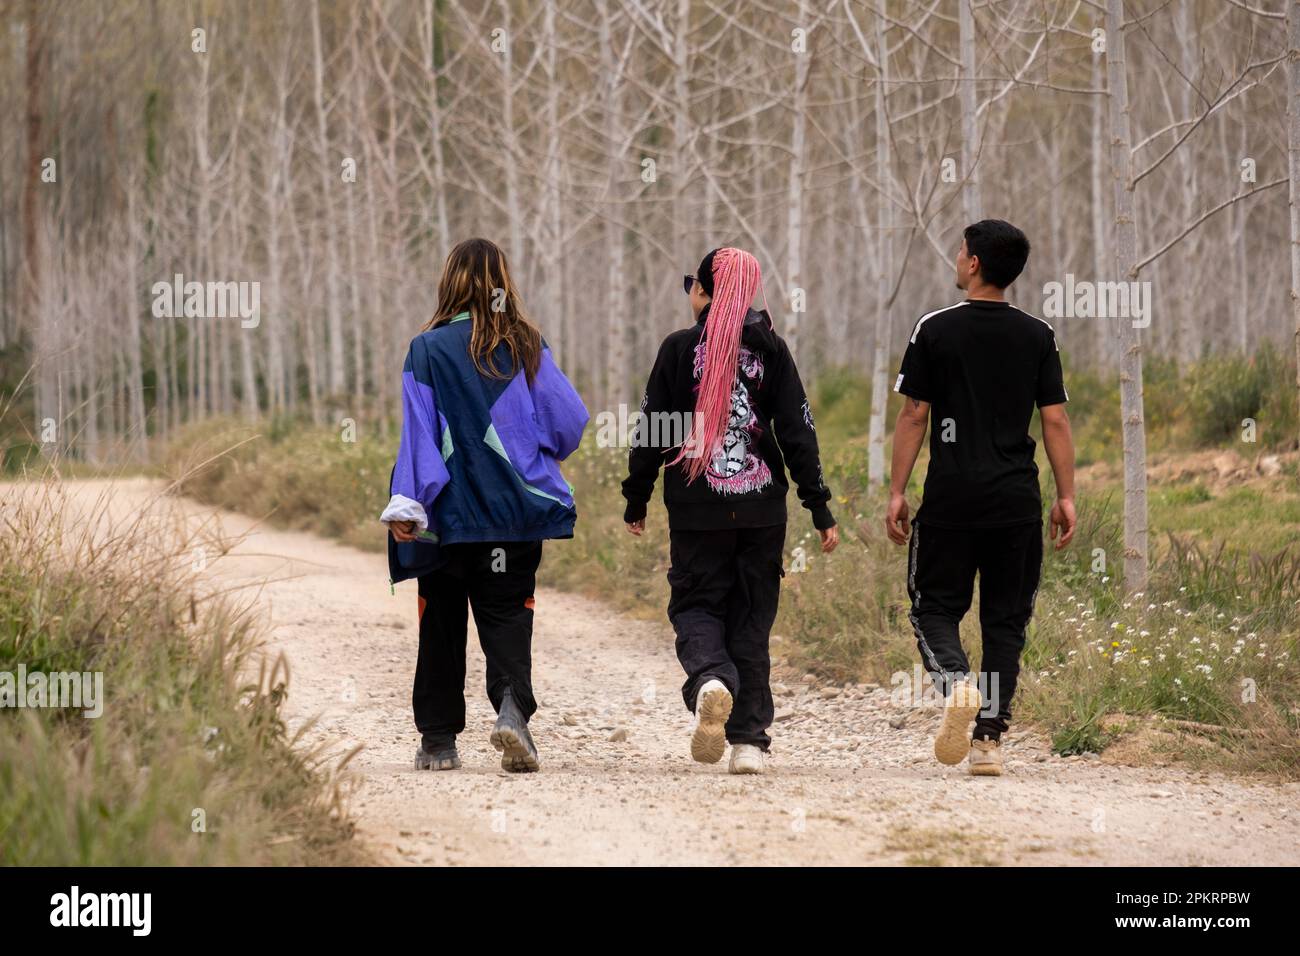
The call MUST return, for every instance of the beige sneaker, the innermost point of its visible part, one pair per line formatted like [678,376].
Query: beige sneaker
[986,758]
[952,743]
[746,758]
[712,708]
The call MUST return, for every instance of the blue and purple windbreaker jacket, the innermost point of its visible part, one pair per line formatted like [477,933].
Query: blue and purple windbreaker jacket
[479,457]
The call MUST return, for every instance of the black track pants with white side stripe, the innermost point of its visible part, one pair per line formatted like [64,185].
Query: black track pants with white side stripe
[941,568]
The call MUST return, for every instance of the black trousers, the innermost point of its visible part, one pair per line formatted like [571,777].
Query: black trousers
[725,589]
[495,580]
[942,563]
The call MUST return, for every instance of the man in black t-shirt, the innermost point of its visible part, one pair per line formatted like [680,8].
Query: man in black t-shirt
[977,369]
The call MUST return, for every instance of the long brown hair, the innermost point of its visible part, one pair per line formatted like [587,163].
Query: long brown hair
[476,280]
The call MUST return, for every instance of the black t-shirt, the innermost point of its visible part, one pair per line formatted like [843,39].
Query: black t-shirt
[982,366]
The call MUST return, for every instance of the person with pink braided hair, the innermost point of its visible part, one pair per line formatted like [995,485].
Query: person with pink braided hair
[731,382]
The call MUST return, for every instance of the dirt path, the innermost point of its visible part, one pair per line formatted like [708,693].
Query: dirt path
[851,779]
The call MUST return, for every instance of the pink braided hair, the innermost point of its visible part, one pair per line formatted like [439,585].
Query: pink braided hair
[736,280]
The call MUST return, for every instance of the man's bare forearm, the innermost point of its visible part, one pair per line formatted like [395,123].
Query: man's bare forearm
[909,433]
[1059,442]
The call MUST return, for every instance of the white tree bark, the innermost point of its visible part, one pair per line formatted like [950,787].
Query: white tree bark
[795,193]
[970,190]
[1130,339]
[616,311]
[1102,260]
[439,183]
[330,173]
[885,274]
[1293,165]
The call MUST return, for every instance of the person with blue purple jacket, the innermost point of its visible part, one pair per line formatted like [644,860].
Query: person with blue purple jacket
[487,416]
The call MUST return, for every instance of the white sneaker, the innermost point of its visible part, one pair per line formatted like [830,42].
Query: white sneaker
[746,758]
[712,708]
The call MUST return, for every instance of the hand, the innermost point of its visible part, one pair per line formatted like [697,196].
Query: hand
[1063,519]
[830,538]
[404,530]
[896,525]
[636,527]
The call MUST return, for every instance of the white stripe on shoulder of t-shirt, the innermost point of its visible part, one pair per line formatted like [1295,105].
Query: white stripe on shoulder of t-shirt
[930,315]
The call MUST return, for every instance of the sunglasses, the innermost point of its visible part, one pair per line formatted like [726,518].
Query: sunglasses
[688,283]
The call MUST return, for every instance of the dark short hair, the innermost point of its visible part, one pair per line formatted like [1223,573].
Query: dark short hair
[1001,248]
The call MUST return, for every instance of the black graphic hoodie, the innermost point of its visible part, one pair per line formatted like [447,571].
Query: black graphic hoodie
[770,427]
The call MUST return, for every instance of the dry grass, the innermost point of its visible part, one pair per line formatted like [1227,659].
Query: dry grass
[303,478]
[190,762]
[927,846]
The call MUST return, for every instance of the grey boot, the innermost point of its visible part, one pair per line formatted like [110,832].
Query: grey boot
[437,753]
[511,737]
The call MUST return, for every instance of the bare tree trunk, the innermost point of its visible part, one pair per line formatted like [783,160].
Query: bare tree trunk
[1101,257]
[135,375]
[884,278]
[551,227]
[329,171]
[1056,251]
[681,133]
[849,333]
[359,336]
[1239,296]
[378,299]
[1293,164]
[508,133]
[274,314]
[795,192]
[970,190]
[237,265]
[197,329]
[1130,339]
[435,127]
[30,295]
[1190,328]
[616,297]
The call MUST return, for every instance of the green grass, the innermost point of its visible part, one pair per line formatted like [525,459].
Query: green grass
[1250,519]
